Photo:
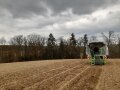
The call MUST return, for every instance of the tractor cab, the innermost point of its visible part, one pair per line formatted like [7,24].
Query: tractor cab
[97,52]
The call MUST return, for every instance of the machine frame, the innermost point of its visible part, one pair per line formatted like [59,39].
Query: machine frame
[98,56]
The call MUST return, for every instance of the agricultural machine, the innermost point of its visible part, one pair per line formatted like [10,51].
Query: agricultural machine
[97,52]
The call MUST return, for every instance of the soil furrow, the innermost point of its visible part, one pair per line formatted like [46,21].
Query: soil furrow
[72,80]
[11,77]
[22,83]
[85,81]
[60,75]
[55,82]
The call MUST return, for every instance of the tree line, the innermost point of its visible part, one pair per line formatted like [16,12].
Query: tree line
[37,47]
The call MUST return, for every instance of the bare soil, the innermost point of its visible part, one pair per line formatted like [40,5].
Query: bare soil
[60,75]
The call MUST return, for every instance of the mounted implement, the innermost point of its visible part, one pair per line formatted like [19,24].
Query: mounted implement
[97,52]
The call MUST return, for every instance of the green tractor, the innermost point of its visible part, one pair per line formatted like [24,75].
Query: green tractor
[97,52]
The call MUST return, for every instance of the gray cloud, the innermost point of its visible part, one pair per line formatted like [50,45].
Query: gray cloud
[61,17]
[79,6]
[25,8]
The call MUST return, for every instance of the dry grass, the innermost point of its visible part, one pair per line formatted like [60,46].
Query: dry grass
[60,75]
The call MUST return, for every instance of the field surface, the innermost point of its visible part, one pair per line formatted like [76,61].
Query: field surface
[60,75]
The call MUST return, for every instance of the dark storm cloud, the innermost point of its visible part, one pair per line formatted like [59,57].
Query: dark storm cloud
[25,8]
[79,6]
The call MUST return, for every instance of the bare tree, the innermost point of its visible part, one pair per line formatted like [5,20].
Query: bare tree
[2,41]
[108,38]
[36,40]
[17,40]
[36,43]
[119,45]
[17,43]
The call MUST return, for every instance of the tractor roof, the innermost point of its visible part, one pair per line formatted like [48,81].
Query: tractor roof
[100,44]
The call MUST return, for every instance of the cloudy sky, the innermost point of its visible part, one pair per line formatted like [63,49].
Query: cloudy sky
[60,17]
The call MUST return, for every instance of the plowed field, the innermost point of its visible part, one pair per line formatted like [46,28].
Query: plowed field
[60,75]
